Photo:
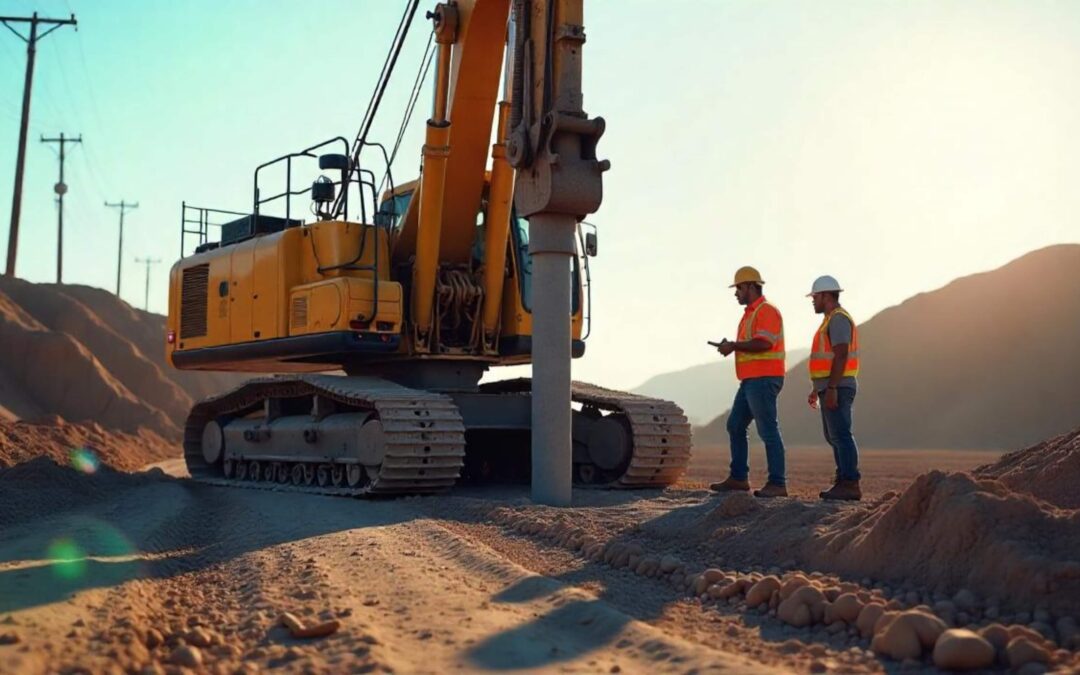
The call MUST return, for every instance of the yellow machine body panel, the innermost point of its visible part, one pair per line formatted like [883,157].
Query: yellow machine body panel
[300,282]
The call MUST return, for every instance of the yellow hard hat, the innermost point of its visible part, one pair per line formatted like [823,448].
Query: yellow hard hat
[747,275]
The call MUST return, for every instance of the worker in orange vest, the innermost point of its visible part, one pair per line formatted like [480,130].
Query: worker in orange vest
[834,367]
[759,365]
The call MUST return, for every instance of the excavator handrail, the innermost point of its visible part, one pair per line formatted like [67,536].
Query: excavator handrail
[289,192]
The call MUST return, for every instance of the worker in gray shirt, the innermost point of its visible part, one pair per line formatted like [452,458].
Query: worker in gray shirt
[834,367]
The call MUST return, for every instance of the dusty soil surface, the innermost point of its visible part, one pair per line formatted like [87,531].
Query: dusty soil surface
[113,572]
[84,445]
[810,469]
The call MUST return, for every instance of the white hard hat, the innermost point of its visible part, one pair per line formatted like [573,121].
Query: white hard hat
[825,284]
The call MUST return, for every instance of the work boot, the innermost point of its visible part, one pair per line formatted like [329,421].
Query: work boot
[771,490]
[846,490]
[731,485]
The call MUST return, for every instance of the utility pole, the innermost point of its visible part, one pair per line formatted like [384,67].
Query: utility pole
[148,262]
[20,156]
[124,207]
[61,190]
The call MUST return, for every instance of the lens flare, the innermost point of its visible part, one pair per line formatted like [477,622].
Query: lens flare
[68,559]
[84,460]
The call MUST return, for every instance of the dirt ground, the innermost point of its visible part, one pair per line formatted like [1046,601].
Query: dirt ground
[810,469]
[110,572]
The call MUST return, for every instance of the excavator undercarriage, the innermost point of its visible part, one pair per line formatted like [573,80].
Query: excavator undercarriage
[369,436]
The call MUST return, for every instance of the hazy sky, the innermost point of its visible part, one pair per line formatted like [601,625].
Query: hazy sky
[895,145]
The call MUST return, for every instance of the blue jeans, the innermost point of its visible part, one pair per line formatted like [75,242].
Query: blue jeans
[756,402]
[837,427]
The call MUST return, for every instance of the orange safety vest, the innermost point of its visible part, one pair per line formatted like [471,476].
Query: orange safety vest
[821,354]
[760,364]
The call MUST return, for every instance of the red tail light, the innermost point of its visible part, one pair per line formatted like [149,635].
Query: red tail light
[359,325]
[171,337]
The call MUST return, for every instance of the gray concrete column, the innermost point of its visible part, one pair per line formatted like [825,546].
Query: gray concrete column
[551,244]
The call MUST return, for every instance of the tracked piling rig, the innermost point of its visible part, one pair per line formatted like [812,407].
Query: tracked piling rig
[454,273]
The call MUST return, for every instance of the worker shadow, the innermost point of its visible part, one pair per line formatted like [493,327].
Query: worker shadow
[531,645]
[158,528]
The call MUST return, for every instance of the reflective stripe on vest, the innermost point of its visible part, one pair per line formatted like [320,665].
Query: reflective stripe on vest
[821,354]
[749,364]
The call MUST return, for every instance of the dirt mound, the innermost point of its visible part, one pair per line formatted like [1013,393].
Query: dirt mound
[83,355]
[118,355]
[68,443]
[952,531]
[1049,470]
[966,366]
[48,483]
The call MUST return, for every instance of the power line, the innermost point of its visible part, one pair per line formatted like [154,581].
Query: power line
[148,262]
[61,189]
[20,159]
[124,208]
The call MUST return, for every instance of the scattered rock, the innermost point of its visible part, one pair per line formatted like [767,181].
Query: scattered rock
[906,635]
[962,649]
[187,656]
[761,592]
[10,638]
[804,607]
[199,637]
[1022,650]
[845,608]
[1033,668]
[298,629]
[793,583]
[868,618]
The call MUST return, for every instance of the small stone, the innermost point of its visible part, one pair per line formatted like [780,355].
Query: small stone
[943,607]
[187,656]
[1022,650]
[199,637]
[962,649]
[964,599]
[1043,629]
[10,638]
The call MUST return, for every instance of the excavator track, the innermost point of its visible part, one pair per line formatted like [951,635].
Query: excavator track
[661,433]
[424,435]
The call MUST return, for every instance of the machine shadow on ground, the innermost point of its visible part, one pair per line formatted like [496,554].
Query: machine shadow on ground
[163,529]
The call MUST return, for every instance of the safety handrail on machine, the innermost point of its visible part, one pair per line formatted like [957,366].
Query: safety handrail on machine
[201,217]
[289,192]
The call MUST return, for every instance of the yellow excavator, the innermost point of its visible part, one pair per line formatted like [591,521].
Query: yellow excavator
[415,290]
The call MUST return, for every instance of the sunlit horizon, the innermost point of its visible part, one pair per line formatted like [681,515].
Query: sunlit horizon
[895,146]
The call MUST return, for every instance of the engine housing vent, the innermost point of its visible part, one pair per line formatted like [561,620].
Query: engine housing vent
[194,293]
[298,315]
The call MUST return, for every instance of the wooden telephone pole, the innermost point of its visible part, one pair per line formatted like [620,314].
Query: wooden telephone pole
[148,262]
[61,190]
[20,156]
[124,208]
